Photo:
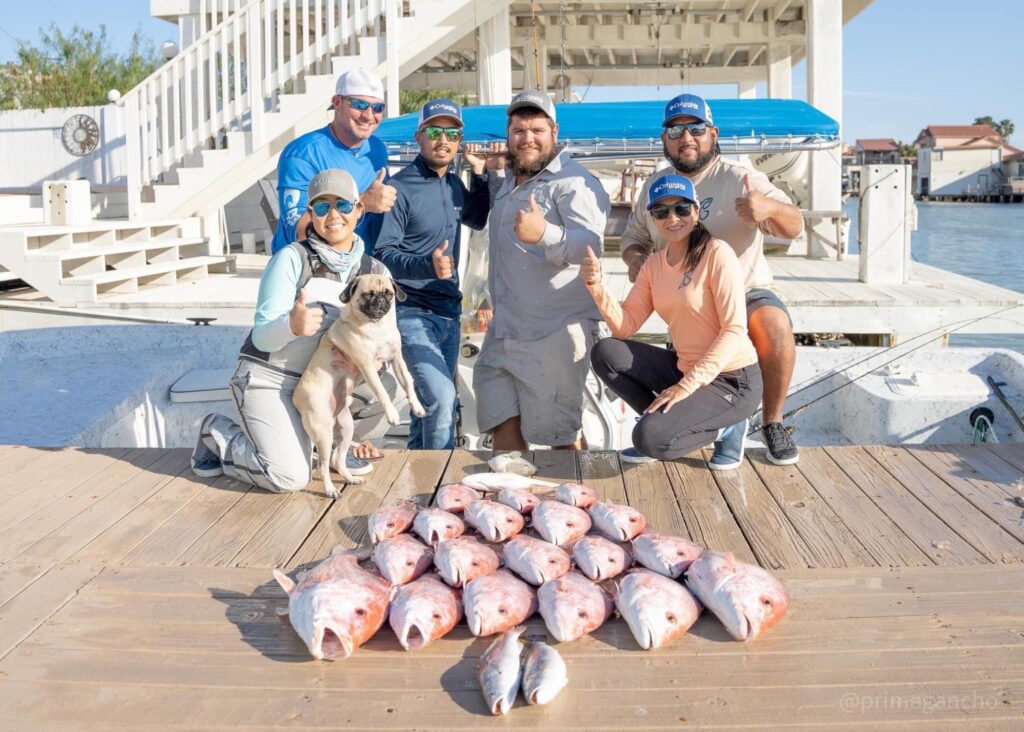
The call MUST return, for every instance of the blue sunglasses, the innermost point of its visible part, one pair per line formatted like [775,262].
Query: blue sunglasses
[361,105]
[320,208]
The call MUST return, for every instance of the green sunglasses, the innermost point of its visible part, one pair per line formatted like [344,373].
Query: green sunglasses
[454,134]
[321,208]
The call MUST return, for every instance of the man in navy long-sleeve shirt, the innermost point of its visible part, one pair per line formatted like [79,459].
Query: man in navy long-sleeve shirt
[420,243]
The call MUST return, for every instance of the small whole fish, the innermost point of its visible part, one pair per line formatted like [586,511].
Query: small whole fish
[656,608]
[576,494]
[617,521]
[336,606]
[454,497]
[423,611]
[667,555]
[517,498]
[512,462]
[572,606]
[534,560]
[388,521]
[544,673]
[463,559]
[494,482]
[747,599]
[402,558]
[500,671]
[600,559]
[434,525]
[495,521]
[560,523]
[496,602]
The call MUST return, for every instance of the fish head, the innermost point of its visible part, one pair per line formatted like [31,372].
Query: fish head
[573,606]
[602,558]
[576,494]
[652,613]
[498,602]
[388,521]
[753,601]
[454,497]
[332,623]
[434,525]
[424,610]
[402,558]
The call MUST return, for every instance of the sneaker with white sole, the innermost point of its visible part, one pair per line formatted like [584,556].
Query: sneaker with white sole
[357,466]
[634,456]
[205,462]
[728,453]
[778,440]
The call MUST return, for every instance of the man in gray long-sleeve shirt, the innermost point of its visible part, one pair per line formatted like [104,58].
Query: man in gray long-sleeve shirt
[530,376]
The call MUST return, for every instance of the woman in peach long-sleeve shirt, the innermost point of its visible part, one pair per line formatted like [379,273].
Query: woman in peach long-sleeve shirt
[711,380]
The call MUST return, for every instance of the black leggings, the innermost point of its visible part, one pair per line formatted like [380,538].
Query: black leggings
[637,372]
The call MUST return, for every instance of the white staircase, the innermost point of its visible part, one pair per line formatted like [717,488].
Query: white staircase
[79,264]
[212,121]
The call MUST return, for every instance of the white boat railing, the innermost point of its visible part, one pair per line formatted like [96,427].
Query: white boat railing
[233,74]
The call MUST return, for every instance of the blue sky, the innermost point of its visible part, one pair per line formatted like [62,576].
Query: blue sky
[906,63]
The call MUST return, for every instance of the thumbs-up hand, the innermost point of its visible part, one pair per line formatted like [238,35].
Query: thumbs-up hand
[304,320]
[442,263]
[590,269]
[752,207]
[379,197]
[530,224]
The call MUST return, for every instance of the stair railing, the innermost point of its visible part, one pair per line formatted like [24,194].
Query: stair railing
[232,75]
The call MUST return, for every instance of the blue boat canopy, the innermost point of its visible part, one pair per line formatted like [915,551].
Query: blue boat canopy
[607,128]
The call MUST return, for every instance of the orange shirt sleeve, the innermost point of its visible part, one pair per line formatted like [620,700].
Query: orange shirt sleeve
[729,296]
[626,319]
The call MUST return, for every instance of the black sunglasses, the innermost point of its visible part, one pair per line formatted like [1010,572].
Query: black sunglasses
[321,208]
[661,211]
[696,129]
[361,105]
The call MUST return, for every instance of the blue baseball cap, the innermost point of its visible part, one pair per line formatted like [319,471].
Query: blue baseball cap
[439,108]
[687,104]
[672,185]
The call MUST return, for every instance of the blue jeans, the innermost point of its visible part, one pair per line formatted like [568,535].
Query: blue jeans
[430,347]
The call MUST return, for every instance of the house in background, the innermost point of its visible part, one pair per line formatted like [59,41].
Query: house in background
[884,151]
[851,171]
[961,161]
[1013,170]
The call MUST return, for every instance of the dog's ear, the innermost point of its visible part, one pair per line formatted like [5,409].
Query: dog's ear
[349,291]
[399,292]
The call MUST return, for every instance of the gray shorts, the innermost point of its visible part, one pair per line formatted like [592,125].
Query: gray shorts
[760,297]
[540,381]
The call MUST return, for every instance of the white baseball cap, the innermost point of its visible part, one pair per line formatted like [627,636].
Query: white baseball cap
[359,82]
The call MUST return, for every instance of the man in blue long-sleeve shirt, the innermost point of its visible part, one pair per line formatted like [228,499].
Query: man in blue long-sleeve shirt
[420,243]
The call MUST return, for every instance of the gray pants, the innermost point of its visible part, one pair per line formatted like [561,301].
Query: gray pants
[269,447]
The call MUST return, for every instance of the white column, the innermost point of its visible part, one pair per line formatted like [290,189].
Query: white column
[391,59]
[780,68]
[747,90]
[494,60]
[825,91]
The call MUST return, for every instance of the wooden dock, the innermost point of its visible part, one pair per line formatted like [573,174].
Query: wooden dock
[133,594]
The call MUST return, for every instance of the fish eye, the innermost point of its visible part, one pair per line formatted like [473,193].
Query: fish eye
[583,613]
[766,602]
[437,616]
[474,563]
[408,562]
[632,519]
[503,611]
[552,561]
[670,617]
[360,611]
[391,524]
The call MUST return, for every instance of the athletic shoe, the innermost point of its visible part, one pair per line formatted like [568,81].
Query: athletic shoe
[632,455]
[779,441]
[729,447]
[357,466]
[205,462]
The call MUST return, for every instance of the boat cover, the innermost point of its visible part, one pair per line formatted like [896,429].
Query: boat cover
[611,126]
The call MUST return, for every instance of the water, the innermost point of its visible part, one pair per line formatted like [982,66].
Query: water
[980,240]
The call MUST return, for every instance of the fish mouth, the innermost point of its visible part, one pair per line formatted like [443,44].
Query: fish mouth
[413,638]
[329,646]
[746,628]
[475,623]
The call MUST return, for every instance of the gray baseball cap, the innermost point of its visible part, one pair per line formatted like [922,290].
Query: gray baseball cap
[333,182]
[532,98]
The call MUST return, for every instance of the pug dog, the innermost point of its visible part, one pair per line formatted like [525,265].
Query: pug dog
[358,343]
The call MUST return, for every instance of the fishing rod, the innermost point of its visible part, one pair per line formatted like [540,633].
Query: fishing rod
[945,332]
